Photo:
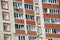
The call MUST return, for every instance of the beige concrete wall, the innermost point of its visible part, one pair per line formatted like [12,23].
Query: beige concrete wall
[1,25]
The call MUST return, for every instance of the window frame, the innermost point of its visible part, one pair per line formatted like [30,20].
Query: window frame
[51,1]
[36,10]
[6,5]
[19,26]
[7,35]
[17,5]
[30,27]
[28,6]
[8,27]
[18,15]
[30,37]
[8,19]
[29,17]
[21,37]
[36,1]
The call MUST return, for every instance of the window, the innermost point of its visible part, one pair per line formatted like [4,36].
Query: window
[48,30]
[55,20]
[36,1]
[5,16]
[44,9]
[46,20]
[21,37]
[51,11]
[4,5]
[38,31]
[36,10]
[17,5]
[56,31]
[44,0]
[28,6]
[30,27]
[7,38]
[52,20]
[50,39]
[53,39]
[52,30]
[38,20]
[6,27]
[19,26]
[30,17]
[18,15]
[56,38]
[54,11]
[30,38]
[50,1]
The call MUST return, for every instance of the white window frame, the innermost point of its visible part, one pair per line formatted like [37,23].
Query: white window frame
[19,28]
[47,19]
[16,5]
[28,6]
[7,38]
[19,17]
[6,27]
[29,18]
[5,16]
[30,27]
[36,1]
[4,5]
[50,2]
[36,10]
[30,37]
[20,37]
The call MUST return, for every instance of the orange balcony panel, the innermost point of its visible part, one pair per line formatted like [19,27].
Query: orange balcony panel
[30,22]
[18,0]
[20,32]
[19,21]
[45,5]
[29,11]
[31,32]
[18,10]
[28,1]
[52,25]
[51,15]
[53,35]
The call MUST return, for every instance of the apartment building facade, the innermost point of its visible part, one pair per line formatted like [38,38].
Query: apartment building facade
[51,12]
[29,20]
